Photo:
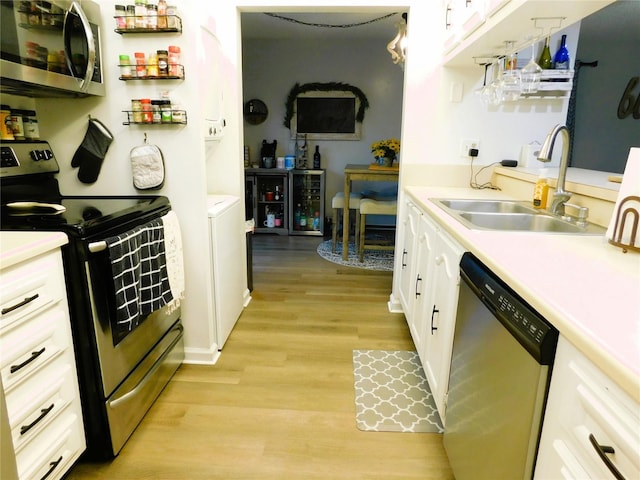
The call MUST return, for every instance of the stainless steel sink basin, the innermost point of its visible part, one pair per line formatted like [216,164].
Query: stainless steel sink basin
[493,206]
[509,215]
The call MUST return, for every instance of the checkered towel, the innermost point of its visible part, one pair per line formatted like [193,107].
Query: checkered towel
[140,277]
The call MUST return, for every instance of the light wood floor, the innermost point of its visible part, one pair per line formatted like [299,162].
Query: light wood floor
[279,404]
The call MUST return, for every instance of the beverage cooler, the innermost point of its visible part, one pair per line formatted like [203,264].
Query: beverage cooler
[266,199]
[306,205]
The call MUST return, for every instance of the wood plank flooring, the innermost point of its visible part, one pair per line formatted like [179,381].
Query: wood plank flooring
[279,404]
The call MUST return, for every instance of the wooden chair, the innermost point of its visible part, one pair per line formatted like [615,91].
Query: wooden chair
[337,204]
[369,206]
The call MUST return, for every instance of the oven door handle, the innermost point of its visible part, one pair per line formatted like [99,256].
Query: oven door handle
[95,247]
[140,385]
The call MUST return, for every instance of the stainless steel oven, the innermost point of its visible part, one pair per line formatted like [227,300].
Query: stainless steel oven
[120,373]
[51,48]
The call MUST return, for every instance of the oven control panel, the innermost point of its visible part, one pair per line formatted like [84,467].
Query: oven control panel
[26,158]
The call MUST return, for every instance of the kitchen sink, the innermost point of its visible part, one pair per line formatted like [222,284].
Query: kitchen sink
[491,206]
[510,215]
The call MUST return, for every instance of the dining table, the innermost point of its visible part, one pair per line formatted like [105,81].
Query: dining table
[366,172]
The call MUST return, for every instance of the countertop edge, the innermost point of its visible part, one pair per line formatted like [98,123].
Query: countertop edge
[16,247]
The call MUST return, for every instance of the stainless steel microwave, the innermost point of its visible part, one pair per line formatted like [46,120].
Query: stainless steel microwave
[51,48]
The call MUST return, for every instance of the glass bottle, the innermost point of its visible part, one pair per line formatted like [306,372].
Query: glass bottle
[316,158]
[545,57]
[561,58]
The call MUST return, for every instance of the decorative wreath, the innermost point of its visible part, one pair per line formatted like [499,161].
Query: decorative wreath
[324,87]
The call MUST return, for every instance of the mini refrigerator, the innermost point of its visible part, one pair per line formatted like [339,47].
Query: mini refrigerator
[306,202]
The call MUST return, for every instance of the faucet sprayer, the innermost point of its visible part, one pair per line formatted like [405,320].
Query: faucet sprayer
[560,196]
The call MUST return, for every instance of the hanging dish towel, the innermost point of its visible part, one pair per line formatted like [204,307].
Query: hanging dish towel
[140,280]
[174,258]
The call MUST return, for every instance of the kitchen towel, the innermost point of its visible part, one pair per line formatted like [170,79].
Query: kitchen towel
[628,200]
[174,258]
[140,279]
[92,150]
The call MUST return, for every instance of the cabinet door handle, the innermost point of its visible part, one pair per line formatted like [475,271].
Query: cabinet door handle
[418,279]
[404,255]
[26,301]
[34,355]
[447,21]
[43,413]
[602,451]
[433,313]
[52,467]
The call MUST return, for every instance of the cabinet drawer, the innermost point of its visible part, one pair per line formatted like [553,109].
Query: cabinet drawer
[24,350]
[30,287]
[53,452]
[36,404]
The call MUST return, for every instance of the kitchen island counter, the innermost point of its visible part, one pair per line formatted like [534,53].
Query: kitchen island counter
[587,288]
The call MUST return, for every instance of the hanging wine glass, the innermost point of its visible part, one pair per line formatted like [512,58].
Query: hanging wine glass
[531,74]
[511,83]
[480,92]
[497,85]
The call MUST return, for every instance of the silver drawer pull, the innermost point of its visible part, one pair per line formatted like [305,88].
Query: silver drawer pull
[602,451]
[20,304]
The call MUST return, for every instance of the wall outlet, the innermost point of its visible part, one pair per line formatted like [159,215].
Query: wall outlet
[466,144]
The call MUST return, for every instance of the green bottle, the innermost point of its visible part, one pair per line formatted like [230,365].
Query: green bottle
[545,57]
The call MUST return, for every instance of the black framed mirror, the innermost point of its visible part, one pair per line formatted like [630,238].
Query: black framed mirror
[255,111]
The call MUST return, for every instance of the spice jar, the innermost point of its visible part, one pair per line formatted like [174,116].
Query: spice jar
[141,65]
[155,111]
[121,22]
[136,110]
[131,16]
[152,68]
[125,66]
[6,132]
[165,111]
[30,123]
[141,13]
[17,126]
[172,19]
[152,17]
[147,115]
[174,61]
[163,63]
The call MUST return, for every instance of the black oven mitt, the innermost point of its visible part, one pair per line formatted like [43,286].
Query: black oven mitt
[92,150]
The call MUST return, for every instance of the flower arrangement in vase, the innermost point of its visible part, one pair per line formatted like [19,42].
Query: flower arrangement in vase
[386,151]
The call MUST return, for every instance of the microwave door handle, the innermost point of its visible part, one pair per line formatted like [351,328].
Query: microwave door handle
[75,7]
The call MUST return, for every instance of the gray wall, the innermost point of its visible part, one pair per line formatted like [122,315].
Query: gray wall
[612,37]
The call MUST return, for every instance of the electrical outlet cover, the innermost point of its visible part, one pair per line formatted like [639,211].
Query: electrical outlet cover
[466,144]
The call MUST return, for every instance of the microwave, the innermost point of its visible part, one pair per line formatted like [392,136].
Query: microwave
[51,48]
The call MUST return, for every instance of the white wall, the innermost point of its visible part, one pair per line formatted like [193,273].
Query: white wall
[272,68]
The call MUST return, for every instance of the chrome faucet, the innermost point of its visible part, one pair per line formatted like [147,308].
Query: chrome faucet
[560,196]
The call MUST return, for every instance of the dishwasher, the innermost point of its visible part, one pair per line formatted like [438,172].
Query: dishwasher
[503,352]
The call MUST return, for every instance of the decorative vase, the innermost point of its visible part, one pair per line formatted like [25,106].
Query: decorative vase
[387,161]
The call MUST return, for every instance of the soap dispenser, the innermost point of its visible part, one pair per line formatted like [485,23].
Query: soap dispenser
[541,190]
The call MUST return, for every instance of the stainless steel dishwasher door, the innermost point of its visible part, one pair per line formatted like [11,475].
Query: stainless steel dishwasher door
[498,381]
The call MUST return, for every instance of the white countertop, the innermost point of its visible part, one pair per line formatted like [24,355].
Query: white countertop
[587,288]
[16,247]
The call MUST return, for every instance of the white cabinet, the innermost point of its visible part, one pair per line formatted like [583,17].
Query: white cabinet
[591,427]
[429,284]
[38,369]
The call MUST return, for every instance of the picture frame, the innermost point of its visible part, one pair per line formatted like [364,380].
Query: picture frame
[326,115]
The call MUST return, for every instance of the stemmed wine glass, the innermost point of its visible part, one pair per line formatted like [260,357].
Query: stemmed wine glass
[511,83]
[530,74]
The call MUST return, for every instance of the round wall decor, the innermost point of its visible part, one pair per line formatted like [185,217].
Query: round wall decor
[255,111]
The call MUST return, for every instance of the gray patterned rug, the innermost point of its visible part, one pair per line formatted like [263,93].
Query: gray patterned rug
[392,393]
[381,260]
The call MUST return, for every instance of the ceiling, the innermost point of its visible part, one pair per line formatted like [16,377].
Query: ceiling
[321,26]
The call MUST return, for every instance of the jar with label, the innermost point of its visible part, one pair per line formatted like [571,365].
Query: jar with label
[177,114]
[6,132]
[152,17]
[165,111]
[141,65]
[147,115]
[30,123]
[16,124]
[136,110]
[172,20]
[174,61]
[141,13]
[163,63]
[162,14]
[156,115]
[152,68]
[130,17]
[121,12]
[125,66]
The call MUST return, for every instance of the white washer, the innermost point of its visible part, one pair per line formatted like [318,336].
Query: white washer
[226,229]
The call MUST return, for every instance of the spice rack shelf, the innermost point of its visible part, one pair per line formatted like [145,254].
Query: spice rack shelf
[181,113]
[179,76]
[171,19]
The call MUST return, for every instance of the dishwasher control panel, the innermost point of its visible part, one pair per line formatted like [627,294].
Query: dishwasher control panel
[537,335]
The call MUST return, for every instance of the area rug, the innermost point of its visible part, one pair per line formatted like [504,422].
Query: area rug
[392,393]
[381,260]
